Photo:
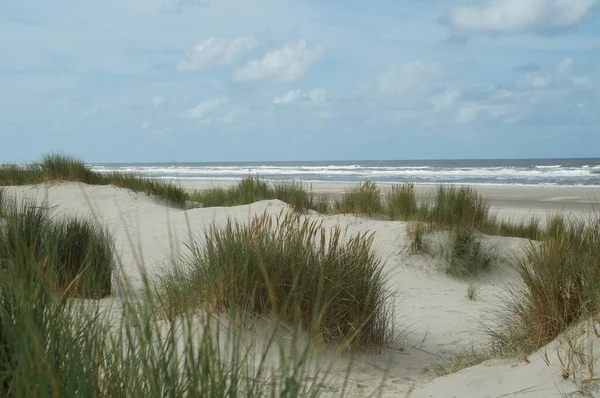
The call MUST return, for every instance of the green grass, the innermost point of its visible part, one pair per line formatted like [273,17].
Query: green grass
[416,236]
[291,268]
[401,203]
[57,167]
[454,362]
[467,255]
[253,188]
[63,348]
[76,254]
[364,199]
[458,206]
[53,346]
[559,283]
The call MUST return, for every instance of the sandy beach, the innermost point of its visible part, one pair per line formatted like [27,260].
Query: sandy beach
[434,317]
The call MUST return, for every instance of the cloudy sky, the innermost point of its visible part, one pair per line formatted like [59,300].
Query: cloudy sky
[229,80]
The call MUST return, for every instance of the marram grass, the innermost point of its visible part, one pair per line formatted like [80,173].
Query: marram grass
[559,284]
[53,346]
[294,269]
[76,254]
[57,167]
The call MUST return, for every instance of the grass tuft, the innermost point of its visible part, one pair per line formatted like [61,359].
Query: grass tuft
[455,362]
[458,206]
[559,284]
[294,269]
[364,199]
[416,236]
[468,255]
[75,254]
[401,203]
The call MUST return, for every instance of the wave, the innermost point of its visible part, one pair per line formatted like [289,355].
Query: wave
[551,174]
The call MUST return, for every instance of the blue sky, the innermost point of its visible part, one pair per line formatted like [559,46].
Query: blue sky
[229,80]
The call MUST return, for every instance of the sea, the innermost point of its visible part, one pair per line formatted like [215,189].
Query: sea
[528,172]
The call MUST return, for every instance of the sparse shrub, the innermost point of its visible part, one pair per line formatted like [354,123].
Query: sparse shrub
[415,233]
[467,254]
[401,202]
[364,199]
[286,266]
[559,283]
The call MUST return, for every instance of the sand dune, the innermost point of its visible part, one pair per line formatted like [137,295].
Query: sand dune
[433,314]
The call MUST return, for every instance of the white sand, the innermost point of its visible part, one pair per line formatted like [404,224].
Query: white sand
[432,311]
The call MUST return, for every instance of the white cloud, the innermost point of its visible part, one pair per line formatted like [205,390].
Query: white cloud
[516,16]
[565,65]
[157,101]
[286,64]
[214,52]
[288,98]
[445,99]
[203,110]
[315,95]
[410,78]
[318,95]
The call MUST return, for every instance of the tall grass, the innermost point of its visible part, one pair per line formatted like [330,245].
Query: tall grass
[76,254]
[54,346]
[559,284]
[458,206]
[401,203]
[57,167]
[294,269]
[61,348]
[253,188]
[468,256]
[364,199]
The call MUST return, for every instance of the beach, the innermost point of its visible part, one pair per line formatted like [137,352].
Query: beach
[433,314]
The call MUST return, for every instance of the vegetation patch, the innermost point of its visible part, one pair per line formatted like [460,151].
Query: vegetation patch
[559,284]
[294,269]
[364,199]
[467,255]
[75,254]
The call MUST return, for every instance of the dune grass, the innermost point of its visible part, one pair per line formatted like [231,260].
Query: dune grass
[363,199]
[53,347]
[454,362]
[291,268]
[467,254]
[57,167]
[416,237]
[401,203]
[254,188]
[559,284]
[76,254]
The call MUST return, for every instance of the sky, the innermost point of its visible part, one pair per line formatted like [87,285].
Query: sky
[252,80]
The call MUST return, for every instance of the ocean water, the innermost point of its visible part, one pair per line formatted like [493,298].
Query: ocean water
[545,172]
